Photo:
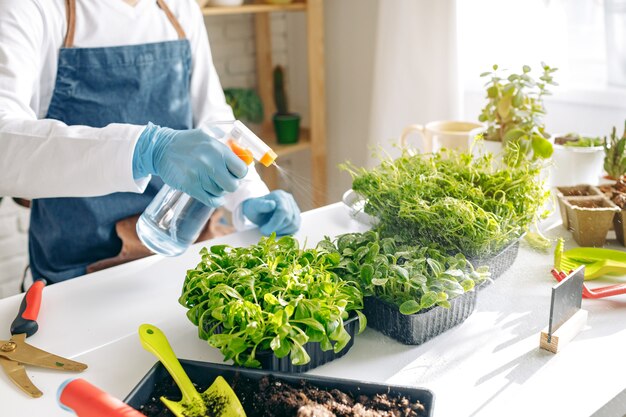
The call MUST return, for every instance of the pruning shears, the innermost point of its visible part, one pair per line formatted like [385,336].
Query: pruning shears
[15,352]
[602,292]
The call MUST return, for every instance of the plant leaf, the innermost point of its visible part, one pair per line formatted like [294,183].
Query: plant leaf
[542,147]
[410,307]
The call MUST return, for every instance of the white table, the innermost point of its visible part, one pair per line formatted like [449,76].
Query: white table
[488,366]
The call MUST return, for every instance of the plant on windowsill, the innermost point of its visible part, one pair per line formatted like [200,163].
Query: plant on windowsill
[615,160]
[576,160]
[514,112]
[246,104]
[286,124]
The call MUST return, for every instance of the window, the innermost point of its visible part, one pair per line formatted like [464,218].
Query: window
[567,34]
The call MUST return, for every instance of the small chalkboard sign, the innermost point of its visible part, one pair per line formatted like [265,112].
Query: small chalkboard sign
[566,316]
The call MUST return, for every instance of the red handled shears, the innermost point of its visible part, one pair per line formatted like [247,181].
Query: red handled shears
[15,352]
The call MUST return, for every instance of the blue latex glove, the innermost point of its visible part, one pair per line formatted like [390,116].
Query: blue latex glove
[190,161]
[275,212]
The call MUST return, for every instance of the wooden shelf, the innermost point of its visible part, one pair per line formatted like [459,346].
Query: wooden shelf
[312,139]
[253,8]
[303,143]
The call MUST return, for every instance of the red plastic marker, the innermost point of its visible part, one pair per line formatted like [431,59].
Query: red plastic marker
[26,320]
[86,400]
[602,292]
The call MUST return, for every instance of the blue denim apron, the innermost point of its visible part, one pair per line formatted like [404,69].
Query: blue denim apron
[133,84]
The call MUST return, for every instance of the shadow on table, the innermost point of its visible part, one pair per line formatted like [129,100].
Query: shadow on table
[613,408]
[521,327]
[519,370]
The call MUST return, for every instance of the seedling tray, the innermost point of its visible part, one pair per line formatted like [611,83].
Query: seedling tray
[499,263]
[202,375]
[415,329]
[582,190]
[590,218]
[269,361]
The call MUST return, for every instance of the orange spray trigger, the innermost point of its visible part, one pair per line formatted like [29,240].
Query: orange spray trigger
[244,154]
[269,158]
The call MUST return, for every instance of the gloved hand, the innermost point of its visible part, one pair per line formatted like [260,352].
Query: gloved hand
[275,212]
[190,161]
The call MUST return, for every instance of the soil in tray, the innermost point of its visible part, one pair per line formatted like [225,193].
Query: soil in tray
[619,199]
[590,204]
[269,397]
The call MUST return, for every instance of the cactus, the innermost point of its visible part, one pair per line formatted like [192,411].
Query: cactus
[614,160]
[280,97]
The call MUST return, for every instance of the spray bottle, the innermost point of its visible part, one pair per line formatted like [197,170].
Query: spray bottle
[174,220]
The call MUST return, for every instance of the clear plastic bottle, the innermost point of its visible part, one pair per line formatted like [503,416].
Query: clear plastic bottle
[173,220]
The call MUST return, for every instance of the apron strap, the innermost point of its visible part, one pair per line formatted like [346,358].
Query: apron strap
[70,15]
[70,9]
[172,19]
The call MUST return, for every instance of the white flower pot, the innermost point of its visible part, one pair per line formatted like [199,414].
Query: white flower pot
[574,165]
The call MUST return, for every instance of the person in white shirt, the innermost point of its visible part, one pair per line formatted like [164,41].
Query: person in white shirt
[103,101]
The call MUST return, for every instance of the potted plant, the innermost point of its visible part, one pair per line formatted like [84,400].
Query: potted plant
[412,293]
[286,124]
[246,104]
[577,160]
[615,160]
[427,199]
[514,113]
[273,305]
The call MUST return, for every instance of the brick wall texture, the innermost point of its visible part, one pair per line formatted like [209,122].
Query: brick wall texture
[232,44]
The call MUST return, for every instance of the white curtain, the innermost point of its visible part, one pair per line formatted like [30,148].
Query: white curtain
[415,70]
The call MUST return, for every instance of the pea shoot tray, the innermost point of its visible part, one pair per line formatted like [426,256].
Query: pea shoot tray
[498,263]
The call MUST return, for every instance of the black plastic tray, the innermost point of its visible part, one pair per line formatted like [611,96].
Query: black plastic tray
[269,361]
[499,263]
[203,374]
[415,329]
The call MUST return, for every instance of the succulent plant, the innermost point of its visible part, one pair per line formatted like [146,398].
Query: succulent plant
[514,111]
[614,159]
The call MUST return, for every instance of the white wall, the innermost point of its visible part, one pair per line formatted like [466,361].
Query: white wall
[351,29]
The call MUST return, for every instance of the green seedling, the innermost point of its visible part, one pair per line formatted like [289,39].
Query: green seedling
[414,278]
[451,201]
[272,295]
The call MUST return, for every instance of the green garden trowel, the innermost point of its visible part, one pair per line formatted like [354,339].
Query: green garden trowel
[193,403]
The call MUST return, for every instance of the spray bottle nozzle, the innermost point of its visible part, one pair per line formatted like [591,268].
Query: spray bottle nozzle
[248,146]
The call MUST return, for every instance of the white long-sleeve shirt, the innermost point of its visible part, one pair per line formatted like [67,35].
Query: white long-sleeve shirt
[45,158]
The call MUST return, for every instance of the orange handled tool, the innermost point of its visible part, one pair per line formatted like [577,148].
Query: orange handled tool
[87,400]
[26,320]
